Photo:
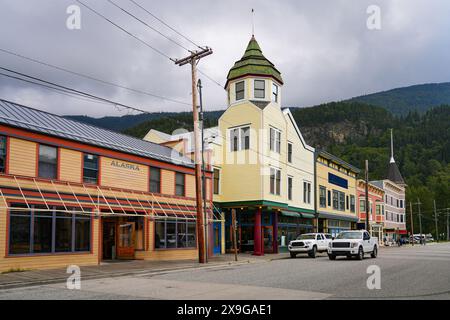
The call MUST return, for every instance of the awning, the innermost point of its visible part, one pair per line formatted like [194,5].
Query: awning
[402,231]
[291,214]
[333,216]
[90,200]
[308,215]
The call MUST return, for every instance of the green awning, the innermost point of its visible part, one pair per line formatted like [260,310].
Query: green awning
[308,215]
[291,214]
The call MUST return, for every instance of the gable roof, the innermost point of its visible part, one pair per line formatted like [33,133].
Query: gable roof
[16,115]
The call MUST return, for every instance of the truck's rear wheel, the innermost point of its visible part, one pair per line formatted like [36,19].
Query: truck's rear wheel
[360,255]
[374,252]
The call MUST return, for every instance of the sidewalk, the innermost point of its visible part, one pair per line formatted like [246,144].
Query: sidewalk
[126,268]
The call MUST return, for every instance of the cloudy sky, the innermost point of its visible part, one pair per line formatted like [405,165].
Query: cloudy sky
[323,49]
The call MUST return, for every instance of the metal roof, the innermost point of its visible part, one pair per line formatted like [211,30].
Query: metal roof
[20,116]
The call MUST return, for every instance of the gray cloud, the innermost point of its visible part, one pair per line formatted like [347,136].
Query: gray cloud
[323,49]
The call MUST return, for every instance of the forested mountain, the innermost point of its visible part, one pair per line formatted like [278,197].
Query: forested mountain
[401,101]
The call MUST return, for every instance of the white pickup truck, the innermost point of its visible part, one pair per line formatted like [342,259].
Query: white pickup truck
[309,243]
[353,244]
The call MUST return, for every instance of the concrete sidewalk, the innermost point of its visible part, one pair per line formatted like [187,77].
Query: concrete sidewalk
[126,268]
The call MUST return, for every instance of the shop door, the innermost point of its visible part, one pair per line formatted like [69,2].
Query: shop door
[217,238]
[267,235]
[125,241]
[109,240]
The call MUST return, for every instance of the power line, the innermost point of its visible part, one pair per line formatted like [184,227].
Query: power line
[126,31]
[92,78]
[164,23]
[147,25]
[78,92]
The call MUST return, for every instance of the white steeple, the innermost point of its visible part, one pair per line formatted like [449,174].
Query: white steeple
[392,149]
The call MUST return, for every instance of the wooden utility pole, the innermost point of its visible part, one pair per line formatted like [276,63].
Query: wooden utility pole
[234,230]
[436,221]
[367,197]
[412,222]
[448,234]
[422,240]
[193,59]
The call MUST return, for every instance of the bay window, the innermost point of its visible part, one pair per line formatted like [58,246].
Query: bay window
[239,87]
[260,89]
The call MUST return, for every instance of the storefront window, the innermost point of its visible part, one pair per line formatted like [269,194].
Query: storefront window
[175,234]
[47,230]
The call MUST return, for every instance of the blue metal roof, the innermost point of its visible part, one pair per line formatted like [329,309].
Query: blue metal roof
[20,116]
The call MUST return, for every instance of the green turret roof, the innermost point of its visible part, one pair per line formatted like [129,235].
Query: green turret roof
[253,62]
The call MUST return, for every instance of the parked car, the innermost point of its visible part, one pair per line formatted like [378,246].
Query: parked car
[353,244]
[309,243]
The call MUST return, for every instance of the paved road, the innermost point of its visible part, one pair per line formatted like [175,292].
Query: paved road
[406,273]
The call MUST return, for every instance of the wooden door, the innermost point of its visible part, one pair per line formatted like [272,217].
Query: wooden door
[125,240]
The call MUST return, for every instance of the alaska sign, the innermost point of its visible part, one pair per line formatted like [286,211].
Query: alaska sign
[120,164]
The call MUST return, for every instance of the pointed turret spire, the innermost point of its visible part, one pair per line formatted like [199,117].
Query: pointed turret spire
[393,173]
[392,148]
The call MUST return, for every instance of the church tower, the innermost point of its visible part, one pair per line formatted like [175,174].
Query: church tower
[393,172]
[254,79]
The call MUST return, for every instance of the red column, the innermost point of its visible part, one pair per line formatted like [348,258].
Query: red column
[258,245]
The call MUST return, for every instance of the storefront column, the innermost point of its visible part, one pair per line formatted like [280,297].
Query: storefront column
[275,231]
[258,245]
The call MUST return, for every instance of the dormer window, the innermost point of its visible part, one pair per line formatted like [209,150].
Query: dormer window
[260,89]
[275,92]
[239,90]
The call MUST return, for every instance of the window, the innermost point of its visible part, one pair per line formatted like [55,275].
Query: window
[378,209]
[274,92]
[2,154]
[362,206]
[260,89]
[348,203]
[216,176]
[398,204]
[290,188]
[90,168]
[322,196]
[401,203]
[48,162]
[245,138]
[338,200]
[40,230]
[239,86]
[275,181]
[290,152]
[352,203]
[306,192]
[329,198]
[179,184]
[240,138]
[155,180]
[275,140]
[172,234]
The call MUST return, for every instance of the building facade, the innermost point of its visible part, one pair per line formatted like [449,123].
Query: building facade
[336,194]
[395,202]
[262,166]
[72,193]
[376,208]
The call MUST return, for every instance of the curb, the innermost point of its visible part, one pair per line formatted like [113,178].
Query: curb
[13,285]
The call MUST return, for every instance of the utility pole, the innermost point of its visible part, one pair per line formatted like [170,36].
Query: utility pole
[205,212]
[367,197]
[422,240]
[412,222]
[448,234]
[193,59]
[436,221]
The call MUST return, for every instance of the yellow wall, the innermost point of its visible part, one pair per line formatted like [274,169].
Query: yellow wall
[70,165]
[123,177]
[22,157]
[322,180]
[167,182]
